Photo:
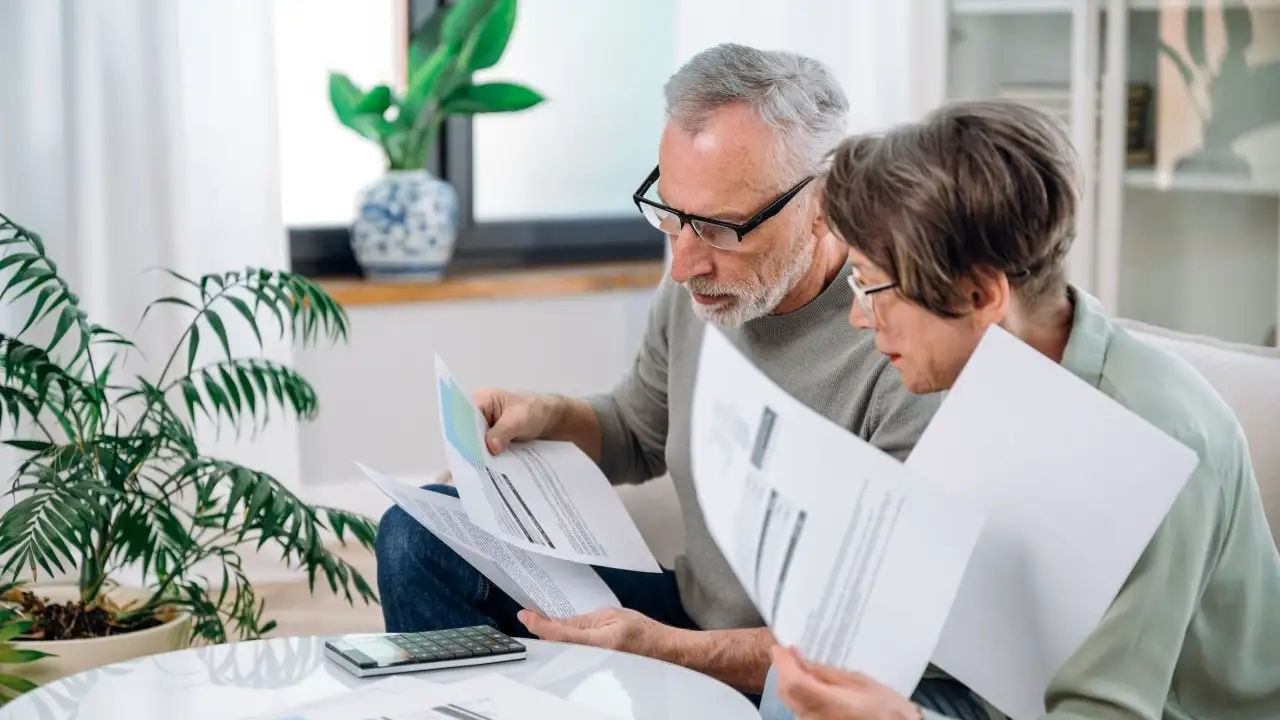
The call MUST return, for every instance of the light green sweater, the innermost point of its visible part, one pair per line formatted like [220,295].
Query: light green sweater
[1195,631]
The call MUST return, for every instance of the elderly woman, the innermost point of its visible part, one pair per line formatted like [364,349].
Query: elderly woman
[964,220]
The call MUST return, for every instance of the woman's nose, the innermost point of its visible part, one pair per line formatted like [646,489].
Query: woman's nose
[858,318]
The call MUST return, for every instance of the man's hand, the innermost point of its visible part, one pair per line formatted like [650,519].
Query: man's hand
[818,692]
[514,416]
[610,628]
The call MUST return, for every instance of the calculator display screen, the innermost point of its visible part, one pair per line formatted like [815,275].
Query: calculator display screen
[381,651]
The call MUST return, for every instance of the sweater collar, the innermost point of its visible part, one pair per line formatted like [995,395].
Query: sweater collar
[836,297]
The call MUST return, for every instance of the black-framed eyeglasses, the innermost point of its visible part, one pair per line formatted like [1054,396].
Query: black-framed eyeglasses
[717,233]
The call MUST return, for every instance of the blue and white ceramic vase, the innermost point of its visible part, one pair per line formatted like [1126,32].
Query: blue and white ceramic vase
[406,226]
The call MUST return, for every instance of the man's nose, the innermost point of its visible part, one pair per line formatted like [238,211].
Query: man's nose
[690,256]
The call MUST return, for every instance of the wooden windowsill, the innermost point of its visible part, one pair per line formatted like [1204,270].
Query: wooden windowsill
[515,284]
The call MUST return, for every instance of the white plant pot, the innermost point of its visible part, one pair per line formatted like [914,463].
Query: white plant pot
[406,226]
[73,656]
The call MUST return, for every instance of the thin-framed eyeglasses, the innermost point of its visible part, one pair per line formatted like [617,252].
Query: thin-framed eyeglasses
[866,296]
[717,233]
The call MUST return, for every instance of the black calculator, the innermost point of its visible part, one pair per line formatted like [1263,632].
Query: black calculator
[366,655]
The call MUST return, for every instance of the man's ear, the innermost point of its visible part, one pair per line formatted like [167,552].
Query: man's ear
[820,226]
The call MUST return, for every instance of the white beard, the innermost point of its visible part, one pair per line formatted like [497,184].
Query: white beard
[752,300]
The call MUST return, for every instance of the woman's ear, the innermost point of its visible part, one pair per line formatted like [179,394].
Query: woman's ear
[988,293]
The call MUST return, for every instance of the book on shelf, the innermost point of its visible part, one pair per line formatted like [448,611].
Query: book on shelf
[1055,99]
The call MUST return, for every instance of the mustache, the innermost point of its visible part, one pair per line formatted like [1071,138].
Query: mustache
[706,287]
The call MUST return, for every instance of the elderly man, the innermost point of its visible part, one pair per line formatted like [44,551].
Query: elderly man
[747,132]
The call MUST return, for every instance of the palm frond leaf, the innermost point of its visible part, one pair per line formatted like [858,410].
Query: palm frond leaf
[42,529]
[236,388]
[31,270]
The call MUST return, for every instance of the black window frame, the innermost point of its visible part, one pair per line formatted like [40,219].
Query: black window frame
[326,251]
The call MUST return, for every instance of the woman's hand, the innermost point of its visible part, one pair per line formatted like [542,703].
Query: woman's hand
[818,692]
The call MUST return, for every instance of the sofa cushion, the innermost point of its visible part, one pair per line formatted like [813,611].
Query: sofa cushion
[1248,379]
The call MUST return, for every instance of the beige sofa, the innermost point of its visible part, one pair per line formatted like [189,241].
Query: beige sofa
[1247,377]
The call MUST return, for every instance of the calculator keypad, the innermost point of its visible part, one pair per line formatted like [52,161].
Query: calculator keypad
[438,645]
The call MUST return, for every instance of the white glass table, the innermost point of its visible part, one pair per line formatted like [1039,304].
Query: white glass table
[225,682]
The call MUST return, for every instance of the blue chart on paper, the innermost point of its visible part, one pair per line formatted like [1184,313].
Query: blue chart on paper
[460,424]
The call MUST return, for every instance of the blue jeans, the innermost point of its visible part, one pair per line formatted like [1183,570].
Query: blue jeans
[424,585]
[942,695]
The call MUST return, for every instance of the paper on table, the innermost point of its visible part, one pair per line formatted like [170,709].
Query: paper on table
[556,588]
[486,697]
[498,697]
[1074,486]
[847,555]
[385,698]
[545,497]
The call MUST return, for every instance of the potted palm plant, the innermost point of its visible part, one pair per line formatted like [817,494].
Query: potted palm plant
[112,480]
[407,220]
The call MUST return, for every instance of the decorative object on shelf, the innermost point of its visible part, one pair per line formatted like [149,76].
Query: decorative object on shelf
[407,221]
[1271,339]
[112,479]
[1225,93]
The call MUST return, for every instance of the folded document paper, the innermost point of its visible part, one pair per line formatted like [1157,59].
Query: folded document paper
[542,496]
[847,555]
[1074,486]
[556,588]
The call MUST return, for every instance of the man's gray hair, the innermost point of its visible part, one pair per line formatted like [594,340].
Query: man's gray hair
[795,95]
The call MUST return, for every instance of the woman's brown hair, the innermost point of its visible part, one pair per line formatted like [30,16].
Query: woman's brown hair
[976,185]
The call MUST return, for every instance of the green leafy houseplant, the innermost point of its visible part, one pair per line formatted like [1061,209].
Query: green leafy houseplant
[112,477]
[12,625]
[444,52]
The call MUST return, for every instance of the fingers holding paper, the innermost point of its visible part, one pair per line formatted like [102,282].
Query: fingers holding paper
[818,692]
[511,416]
[542,496]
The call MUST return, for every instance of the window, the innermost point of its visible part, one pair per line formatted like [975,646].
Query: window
[548,185]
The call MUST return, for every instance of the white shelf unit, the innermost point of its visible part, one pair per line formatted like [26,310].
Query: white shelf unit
[1032,7]
[1192,251]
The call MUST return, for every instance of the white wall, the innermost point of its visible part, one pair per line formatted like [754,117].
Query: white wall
[377,393]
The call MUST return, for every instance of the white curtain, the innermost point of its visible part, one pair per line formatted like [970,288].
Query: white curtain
[884,52]
[139,134]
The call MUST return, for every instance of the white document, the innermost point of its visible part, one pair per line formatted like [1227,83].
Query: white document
[556,588]
[1074,486]
[498,697]
[486,697]
[545,497]
[391,697]
[847,555]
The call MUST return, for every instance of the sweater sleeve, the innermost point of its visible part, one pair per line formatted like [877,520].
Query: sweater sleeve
[634,415]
